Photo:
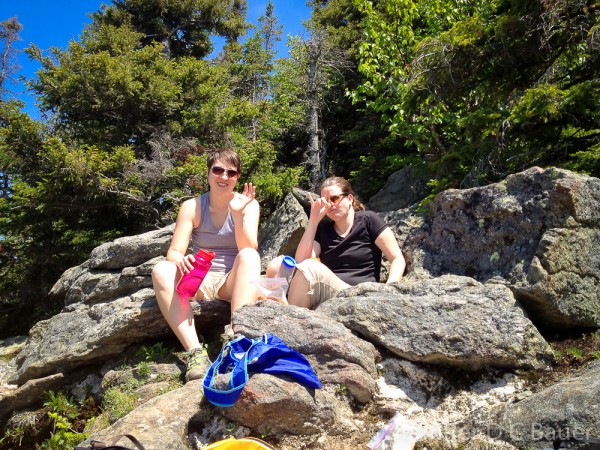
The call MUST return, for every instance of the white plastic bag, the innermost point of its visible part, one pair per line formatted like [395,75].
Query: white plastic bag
[272,289]
[398,434]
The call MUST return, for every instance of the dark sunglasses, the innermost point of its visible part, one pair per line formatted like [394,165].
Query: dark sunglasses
[219,171]
[335,199]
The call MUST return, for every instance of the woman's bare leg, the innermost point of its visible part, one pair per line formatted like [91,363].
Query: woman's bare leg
[273,267]
[176,311]
[298,291]
[241,288]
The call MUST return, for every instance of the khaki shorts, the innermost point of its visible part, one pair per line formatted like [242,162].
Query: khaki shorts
[209,289]
[323,283]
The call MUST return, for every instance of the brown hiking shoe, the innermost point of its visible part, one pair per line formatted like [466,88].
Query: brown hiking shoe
[197,364]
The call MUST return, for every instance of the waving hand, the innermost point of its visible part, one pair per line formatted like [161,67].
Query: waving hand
[238,201]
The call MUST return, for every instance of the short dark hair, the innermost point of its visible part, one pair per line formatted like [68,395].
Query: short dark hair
[226,156]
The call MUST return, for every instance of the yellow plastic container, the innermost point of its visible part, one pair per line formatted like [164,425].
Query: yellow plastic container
[247,443]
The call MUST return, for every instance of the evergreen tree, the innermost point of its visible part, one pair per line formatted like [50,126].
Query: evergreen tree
[182,27]
[129,127]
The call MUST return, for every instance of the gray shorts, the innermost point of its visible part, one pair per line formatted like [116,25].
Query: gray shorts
[323,283]
[209,289]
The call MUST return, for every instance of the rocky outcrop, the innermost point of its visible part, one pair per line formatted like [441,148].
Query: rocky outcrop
[162,422]
[30,393]
[337,356]
[488,267]
[565,414]
[537,230]
[450,320]
[89,334]
[282,231]
[403,188]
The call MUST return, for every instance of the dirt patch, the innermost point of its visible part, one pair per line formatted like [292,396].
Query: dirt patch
[573,351]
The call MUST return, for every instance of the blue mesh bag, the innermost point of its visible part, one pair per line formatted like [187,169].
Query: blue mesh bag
[243,356]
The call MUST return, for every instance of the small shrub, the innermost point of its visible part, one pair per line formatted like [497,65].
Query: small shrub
[575,352]
[155,353]
[13,436]
[63,412]
[143,369]
[20,427]
[341,390]
[63,440]
[61,404]
[265,433]
[117,403]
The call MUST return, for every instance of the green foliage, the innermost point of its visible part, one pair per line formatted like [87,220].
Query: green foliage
[60,404]
[55,208]
[118,403]
[287,113]
[182,27]
[265,433]
[575,352]
[62,438]
[341,390]
[479,91]
[342,22]
[259,158]
[117,97]
[62,411]
[59,425]
[132,111]
[22,425]
[127,95]
[143,369]
[155,353]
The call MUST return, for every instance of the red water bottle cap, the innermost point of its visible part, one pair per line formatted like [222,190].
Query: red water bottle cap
[205,254]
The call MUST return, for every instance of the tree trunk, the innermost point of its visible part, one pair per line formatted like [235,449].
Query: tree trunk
[314,163]
[9,33]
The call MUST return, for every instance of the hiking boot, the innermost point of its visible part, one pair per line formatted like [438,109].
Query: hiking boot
[197,364]
[227,335]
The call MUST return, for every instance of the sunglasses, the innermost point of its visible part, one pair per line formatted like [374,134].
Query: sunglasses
[219,171]
[335,199]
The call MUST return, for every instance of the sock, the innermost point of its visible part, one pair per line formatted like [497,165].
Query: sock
[194,347]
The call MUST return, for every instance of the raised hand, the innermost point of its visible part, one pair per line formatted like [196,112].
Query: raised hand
[239,201]
[318,208]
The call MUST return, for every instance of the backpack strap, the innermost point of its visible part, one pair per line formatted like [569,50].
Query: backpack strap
[132,438]
[101,445]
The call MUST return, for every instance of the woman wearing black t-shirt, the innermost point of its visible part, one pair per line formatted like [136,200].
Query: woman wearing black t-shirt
[333,255]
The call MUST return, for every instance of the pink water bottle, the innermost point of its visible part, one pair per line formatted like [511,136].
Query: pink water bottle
[190,282]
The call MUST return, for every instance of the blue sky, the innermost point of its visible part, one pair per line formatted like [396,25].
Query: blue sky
[53,23]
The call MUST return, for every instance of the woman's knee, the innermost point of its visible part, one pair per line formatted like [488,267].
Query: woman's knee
[273,267]
[311,265]
[298,292]
[163,272]
[249,256]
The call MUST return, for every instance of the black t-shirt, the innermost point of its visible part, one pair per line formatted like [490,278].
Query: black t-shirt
[355,258]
